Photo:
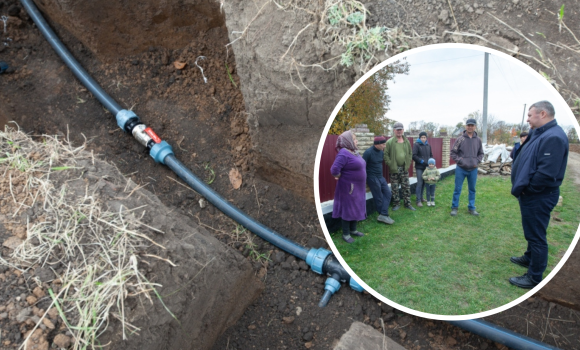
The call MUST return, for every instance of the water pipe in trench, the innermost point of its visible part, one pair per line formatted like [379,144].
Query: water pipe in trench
[320,260]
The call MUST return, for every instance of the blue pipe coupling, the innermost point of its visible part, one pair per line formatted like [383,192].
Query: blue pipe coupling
[161,150]
[332,285]
[316,258]
[355,286]
[124,116]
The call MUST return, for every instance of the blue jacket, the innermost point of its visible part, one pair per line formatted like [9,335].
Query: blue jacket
[515,149]
[540,163]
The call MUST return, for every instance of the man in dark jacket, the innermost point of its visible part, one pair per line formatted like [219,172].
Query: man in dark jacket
[537,173]
[421,155]
[467,154]
[377,183]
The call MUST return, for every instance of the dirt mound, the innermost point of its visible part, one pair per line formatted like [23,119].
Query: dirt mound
[88,253]
[103,27]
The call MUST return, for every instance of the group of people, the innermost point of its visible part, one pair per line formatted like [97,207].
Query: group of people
[353,171]
[537,173]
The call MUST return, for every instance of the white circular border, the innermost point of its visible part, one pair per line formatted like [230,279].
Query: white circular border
[321,216]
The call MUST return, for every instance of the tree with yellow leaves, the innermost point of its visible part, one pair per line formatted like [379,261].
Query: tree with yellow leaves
[369,103]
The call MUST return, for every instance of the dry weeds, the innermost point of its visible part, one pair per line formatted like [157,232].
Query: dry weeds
[98,249]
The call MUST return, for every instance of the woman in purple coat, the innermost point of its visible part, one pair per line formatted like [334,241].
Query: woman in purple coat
[349,197]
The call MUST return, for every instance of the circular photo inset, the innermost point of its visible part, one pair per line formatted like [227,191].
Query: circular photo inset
[446,181]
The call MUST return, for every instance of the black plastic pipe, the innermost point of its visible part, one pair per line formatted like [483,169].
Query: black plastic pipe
[69,60]
[479,327]
[172,162]
[501,335]
[213,197]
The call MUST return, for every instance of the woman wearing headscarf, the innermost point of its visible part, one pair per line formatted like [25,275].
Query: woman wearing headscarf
[349,168]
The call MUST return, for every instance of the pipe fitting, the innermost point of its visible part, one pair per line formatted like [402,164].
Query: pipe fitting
[355,286]
[315,259]
[140,135]
[323,262]
[332,267]
[332,285]
[161,150]
[126,119]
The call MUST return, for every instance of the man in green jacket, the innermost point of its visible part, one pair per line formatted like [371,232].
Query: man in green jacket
[398,155]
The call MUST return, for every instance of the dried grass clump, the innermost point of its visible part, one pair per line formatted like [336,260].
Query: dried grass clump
[97,248]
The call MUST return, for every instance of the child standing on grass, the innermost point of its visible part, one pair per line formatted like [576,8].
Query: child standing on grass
[431,175]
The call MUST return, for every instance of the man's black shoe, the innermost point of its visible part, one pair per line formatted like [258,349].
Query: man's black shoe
[520,260]
[473,212]
[524,281]
[453,211]
[396,207]
[410,207]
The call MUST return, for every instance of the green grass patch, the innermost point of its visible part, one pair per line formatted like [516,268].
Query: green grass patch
[435,263]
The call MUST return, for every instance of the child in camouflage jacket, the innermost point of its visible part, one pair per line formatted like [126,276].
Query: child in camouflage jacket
[431,175]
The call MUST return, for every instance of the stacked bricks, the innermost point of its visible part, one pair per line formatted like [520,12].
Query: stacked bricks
[364,136]
[445,152]
[415,135]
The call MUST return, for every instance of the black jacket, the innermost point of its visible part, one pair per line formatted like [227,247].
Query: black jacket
[423,152]
[374,159]
[540,163]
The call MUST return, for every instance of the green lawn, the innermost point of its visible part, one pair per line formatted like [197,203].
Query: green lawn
[435,263]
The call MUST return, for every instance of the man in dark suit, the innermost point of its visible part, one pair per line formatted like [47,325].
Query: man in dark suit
[537,173]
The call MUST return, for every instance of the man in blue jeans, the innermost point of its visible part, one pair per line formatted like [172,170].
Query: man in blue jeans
[373,156]
[467,154]
[537,173]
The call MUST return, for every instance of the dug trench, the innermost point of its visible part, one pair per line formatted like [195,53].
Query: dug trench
[207,125]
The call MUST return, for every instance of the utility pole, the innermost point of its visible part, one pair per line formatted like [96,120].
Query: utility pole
[523,115]
[485,76]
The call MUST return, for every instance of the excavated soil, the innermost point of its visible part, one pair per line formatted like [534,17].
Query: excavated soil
[200,282]
[206,125]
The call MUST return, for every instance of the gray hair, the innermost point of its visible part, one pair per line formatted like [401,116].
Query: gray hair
[544,106]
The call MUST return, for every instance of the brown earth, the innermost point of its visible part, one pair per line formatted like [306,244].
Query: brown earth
[206,287]
[206,123]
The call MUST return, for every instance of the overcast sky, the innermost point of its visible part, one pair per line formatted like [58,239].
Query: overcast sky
[445,85]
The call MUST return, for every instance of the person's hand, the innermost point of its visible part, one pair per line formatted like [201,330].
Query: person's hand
[337,177]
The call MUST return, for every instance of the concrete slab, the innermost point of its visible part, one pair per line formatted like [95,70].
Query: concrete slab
[363,337]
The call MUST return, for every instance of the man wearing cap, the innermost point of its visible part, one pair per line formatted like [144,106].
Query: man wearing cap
[398,156]
[467,154]
[537,173]
[377,183]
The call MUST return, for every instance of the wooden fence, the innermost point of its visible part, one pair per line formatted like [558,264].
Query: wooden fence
[327,183]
